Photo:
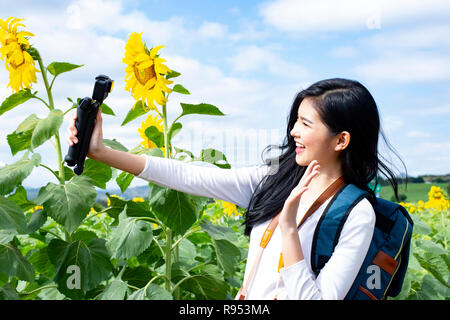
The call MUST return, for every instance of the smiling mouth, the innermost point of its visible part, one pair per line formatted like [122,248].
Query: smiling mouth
[299,149]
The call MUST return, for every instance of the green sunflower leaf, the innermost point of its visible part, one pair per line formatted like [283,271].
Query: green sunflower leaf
[56,68]
[123,180]
[155,136]
[70,203]
[173,74]
[207,284]
[99,173]
[177,210]
[46,128]
[12,217]
[114,144]
[13,263]
[228,255]
[12,175]
[180,89]
[202,108]
[174,129]
[152,292]
[80,265]
[213,156]
[15,99]
[131,237]
[106,109]
[138,110]
[116,290]
[20,139]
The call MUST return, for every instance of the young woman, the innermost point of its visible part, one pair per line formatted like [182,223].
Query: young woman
[332,133]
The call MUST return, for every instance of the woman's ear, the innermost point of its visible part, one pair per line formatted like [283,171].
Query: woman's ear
[343,139]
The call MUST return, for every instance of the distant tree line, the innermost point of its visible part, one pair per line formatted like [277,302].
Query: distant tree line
[419,179]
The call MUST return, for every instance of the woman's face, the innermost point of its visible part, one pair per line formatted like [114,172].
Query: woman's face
[314,138]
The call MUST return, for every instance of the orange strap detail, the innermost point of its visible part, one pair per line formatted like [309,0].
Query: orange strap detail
[280,262]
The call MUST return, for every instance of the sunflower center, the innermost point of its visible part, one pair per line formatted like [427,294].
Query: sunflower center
[144,75]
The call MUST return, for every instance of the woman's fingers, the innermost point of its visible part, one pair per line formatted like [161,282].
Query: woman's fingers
[72,125]
[315,171]
[310,167]
[72,130]
[313,165]
[304,182]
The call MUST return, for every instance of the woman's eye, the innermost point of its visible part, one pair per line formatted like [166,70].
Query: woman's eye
[302,122]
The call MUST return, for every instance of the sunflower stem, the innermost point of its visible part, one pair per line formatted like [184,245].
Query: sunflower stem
[169,231]
[51,106]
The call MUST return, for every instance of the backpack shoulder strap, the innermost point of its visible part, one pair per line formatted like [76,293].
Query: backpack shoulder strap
[328,229]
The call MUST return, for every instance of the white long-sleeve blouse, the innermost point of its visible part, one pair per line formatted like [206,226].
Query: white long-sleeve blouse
[297,281]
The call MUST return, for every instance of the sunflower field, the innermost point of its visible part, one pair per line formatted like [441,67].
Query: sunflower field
[428,275]
[63,244]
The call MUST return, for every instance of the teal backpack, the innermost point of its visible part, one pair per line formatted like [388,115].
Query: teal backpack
[384,267]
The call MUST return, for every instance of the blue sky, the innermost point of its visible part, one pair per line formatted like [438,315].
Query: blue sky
[250,58]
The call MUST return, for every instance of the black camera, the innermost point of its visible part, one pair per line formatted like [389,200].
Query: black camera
[87,110]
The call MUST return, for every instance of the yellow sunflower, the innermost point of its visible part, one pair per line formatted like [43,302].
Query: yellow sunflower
[145,72]
[18,61]
[108,202]
[152,120]
[230,209]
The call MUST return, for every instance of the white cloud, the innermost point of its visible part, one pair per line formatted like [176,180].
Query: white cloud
[109,17]
[212,30]
[431,157]
[417,134]
[391,123]
[237,96]
[432,149]
[254,58]
[234,10]
[400,67]
[249,31]
[344,52]
[324,15]
[424,36]
[431,111]
[409,55]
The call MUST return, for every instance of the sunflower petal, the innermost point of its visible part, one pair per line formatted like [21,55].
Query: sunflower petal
[154,51]
[141,57]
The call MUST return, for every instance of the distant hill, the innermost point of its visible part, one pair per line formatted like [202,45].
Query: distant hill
[428,178]
[130,193]
[436,178]
[142,191]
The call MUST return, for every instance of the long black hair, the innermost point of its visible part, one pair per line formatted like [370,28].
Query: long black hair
[343,105]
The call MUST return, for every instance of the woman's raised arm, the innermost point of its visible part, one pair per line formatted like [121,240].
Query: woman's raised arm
[233,185]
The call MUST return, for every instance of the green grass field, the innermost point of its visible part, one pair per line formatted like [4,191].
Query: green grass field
[414,191]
